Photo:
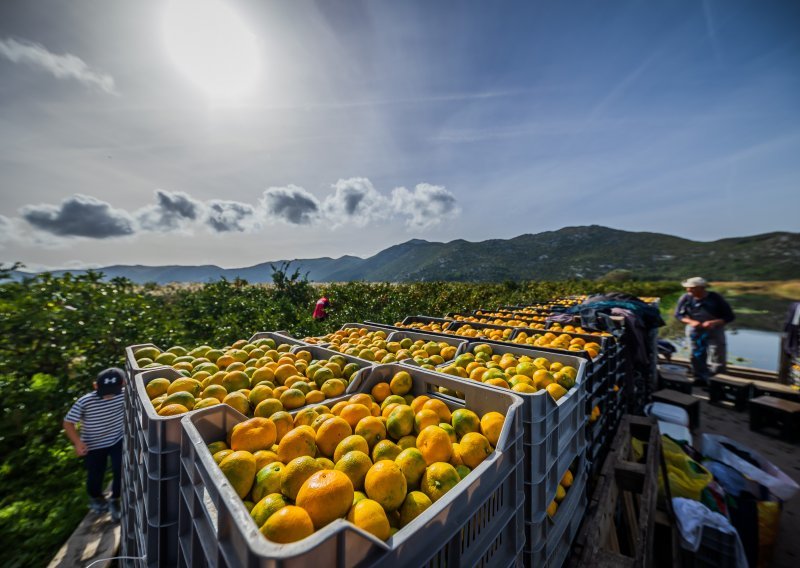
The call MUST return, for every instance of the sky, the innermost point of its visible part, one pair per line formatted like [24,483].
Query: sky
[234,132]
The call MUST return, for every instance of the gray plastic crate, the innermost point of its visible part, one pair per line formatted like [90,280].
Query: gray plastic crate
[479,522]
[131,367]
[543,528]
[717,550]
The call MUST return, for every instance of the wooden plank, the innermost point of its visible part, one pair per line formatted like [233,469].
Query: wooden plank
[96,538]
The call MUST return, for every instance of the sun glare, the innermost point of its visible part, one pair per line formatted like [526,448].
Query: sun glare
[212,47]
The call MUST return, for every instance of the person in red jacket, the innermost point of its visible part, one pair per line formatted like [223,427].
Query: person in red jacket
[319,309]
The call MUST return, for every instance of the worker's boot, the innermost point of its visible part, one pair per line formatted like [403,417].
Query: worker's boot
[114,508]
[98,505]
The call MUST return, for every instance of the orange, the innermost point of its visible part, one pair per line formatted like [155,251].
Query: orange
[455,459]
[315,397]
[552,508]
[240,469]
[407,442]
[258,394]
[215,447]
[400,383]
[268,480]
[370,516]
[361,398]
[253,435]
[386,484]
[423,418]
[380,392]
[413,506]
[465,421]
[235,380]
[262,374]
[392,399]
[296,443]
[556,390]
[295,474]
[172,410]
[266,507]
[438,479]
[566,481]
[213,391]
[412,464]
[491,426]
[289,524]
[325,463]
[185,384]
[336,409]
[293,398]
[333,387]
[463,471]
[284,371]
[326,495]
[450,431]
[349,444]
[283,423]
[439,408]
[371,429]
[238,401]
[157,387]
[474,448]
[330,433]
[387,410]
[385,450]
[354,465]
[320,420]
[435,445]
[354,412]
[416,404]
[221,455]
[267,407]
[264,458]
[305,417]
[400,422]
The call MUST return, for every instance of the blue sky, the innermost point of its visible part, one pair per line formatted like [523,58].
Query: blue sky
[335,127]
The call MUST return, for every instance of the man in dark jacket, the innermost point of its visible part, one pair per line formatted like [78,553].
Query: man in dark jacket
[705,315]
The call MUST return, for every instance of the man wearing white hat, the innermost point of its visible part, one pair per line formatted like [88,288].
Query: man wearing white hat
[705,315]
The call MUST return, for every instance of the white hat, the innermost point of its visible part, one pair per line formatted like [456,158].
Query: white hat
[695,282]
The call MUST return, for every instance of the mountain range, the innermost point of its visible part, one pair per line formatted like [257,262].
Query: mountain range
[572,252]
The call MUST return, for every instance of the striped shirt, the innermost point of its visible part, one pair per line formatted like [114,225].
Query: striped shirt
[102,420]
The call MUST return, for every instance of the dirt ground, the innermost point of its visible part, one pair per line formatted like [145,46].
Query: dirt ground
[786,456]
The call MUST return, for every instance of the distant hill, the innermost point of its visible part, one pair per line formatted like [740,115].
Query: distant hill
[572,252]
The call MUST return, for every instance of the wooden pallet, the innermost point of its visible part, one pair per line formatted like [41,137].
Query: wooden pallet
[95,541]
[619,524]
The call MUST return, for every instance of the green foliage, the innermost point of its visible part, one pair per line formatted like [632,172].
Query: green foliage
[57,333]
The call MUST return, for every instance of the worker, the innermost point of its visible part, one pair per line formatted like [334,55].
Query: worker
[319,309]
[705,315]
[101,415]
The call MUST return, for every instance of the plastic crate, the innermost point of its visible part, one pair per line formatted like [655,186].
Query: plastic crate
[131,367]
[544,530]
[553,432]
[479,522]
[717,550]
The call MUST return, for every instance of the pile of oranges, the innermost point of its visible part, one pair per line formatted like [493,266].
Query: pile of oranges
[373,346]
[378,459]
[519,373]
[257,379]
[559,341]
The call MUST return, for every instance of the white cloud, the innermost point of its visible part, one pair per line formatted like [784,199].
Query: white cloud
[66,66]
[427,205]
[291,204]
[355,201]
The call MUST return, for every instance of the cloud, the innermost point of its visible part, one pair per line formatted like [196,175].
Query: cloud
[80,216]
[230,216]
[354,201]
[291,204]
[172,211]
[66,66]
[425,206]
[6,229]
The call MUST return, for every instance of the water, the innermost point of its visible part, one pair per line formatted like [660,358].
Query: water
[759,349]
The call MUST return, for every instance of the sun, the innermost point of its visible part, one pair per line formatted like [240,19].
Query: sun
[212,47]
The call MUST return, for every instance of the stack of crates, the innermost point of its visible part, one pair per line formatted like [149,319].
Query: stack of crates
[554,442]
[480,522]
[151,467]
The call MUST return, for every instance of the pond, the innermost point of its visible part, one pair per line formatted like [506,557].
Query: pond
[746,347]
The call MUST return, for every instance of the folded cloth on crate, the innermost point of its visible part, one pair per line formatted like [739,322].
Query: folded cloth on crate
[693,517]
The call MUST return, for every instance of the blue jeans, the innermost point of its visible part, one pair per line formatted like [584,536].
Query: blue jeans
[705,345]
[96,465]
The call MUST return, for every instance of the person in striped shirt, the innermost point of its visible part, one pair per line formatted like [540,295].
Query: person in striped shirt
[101,418]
